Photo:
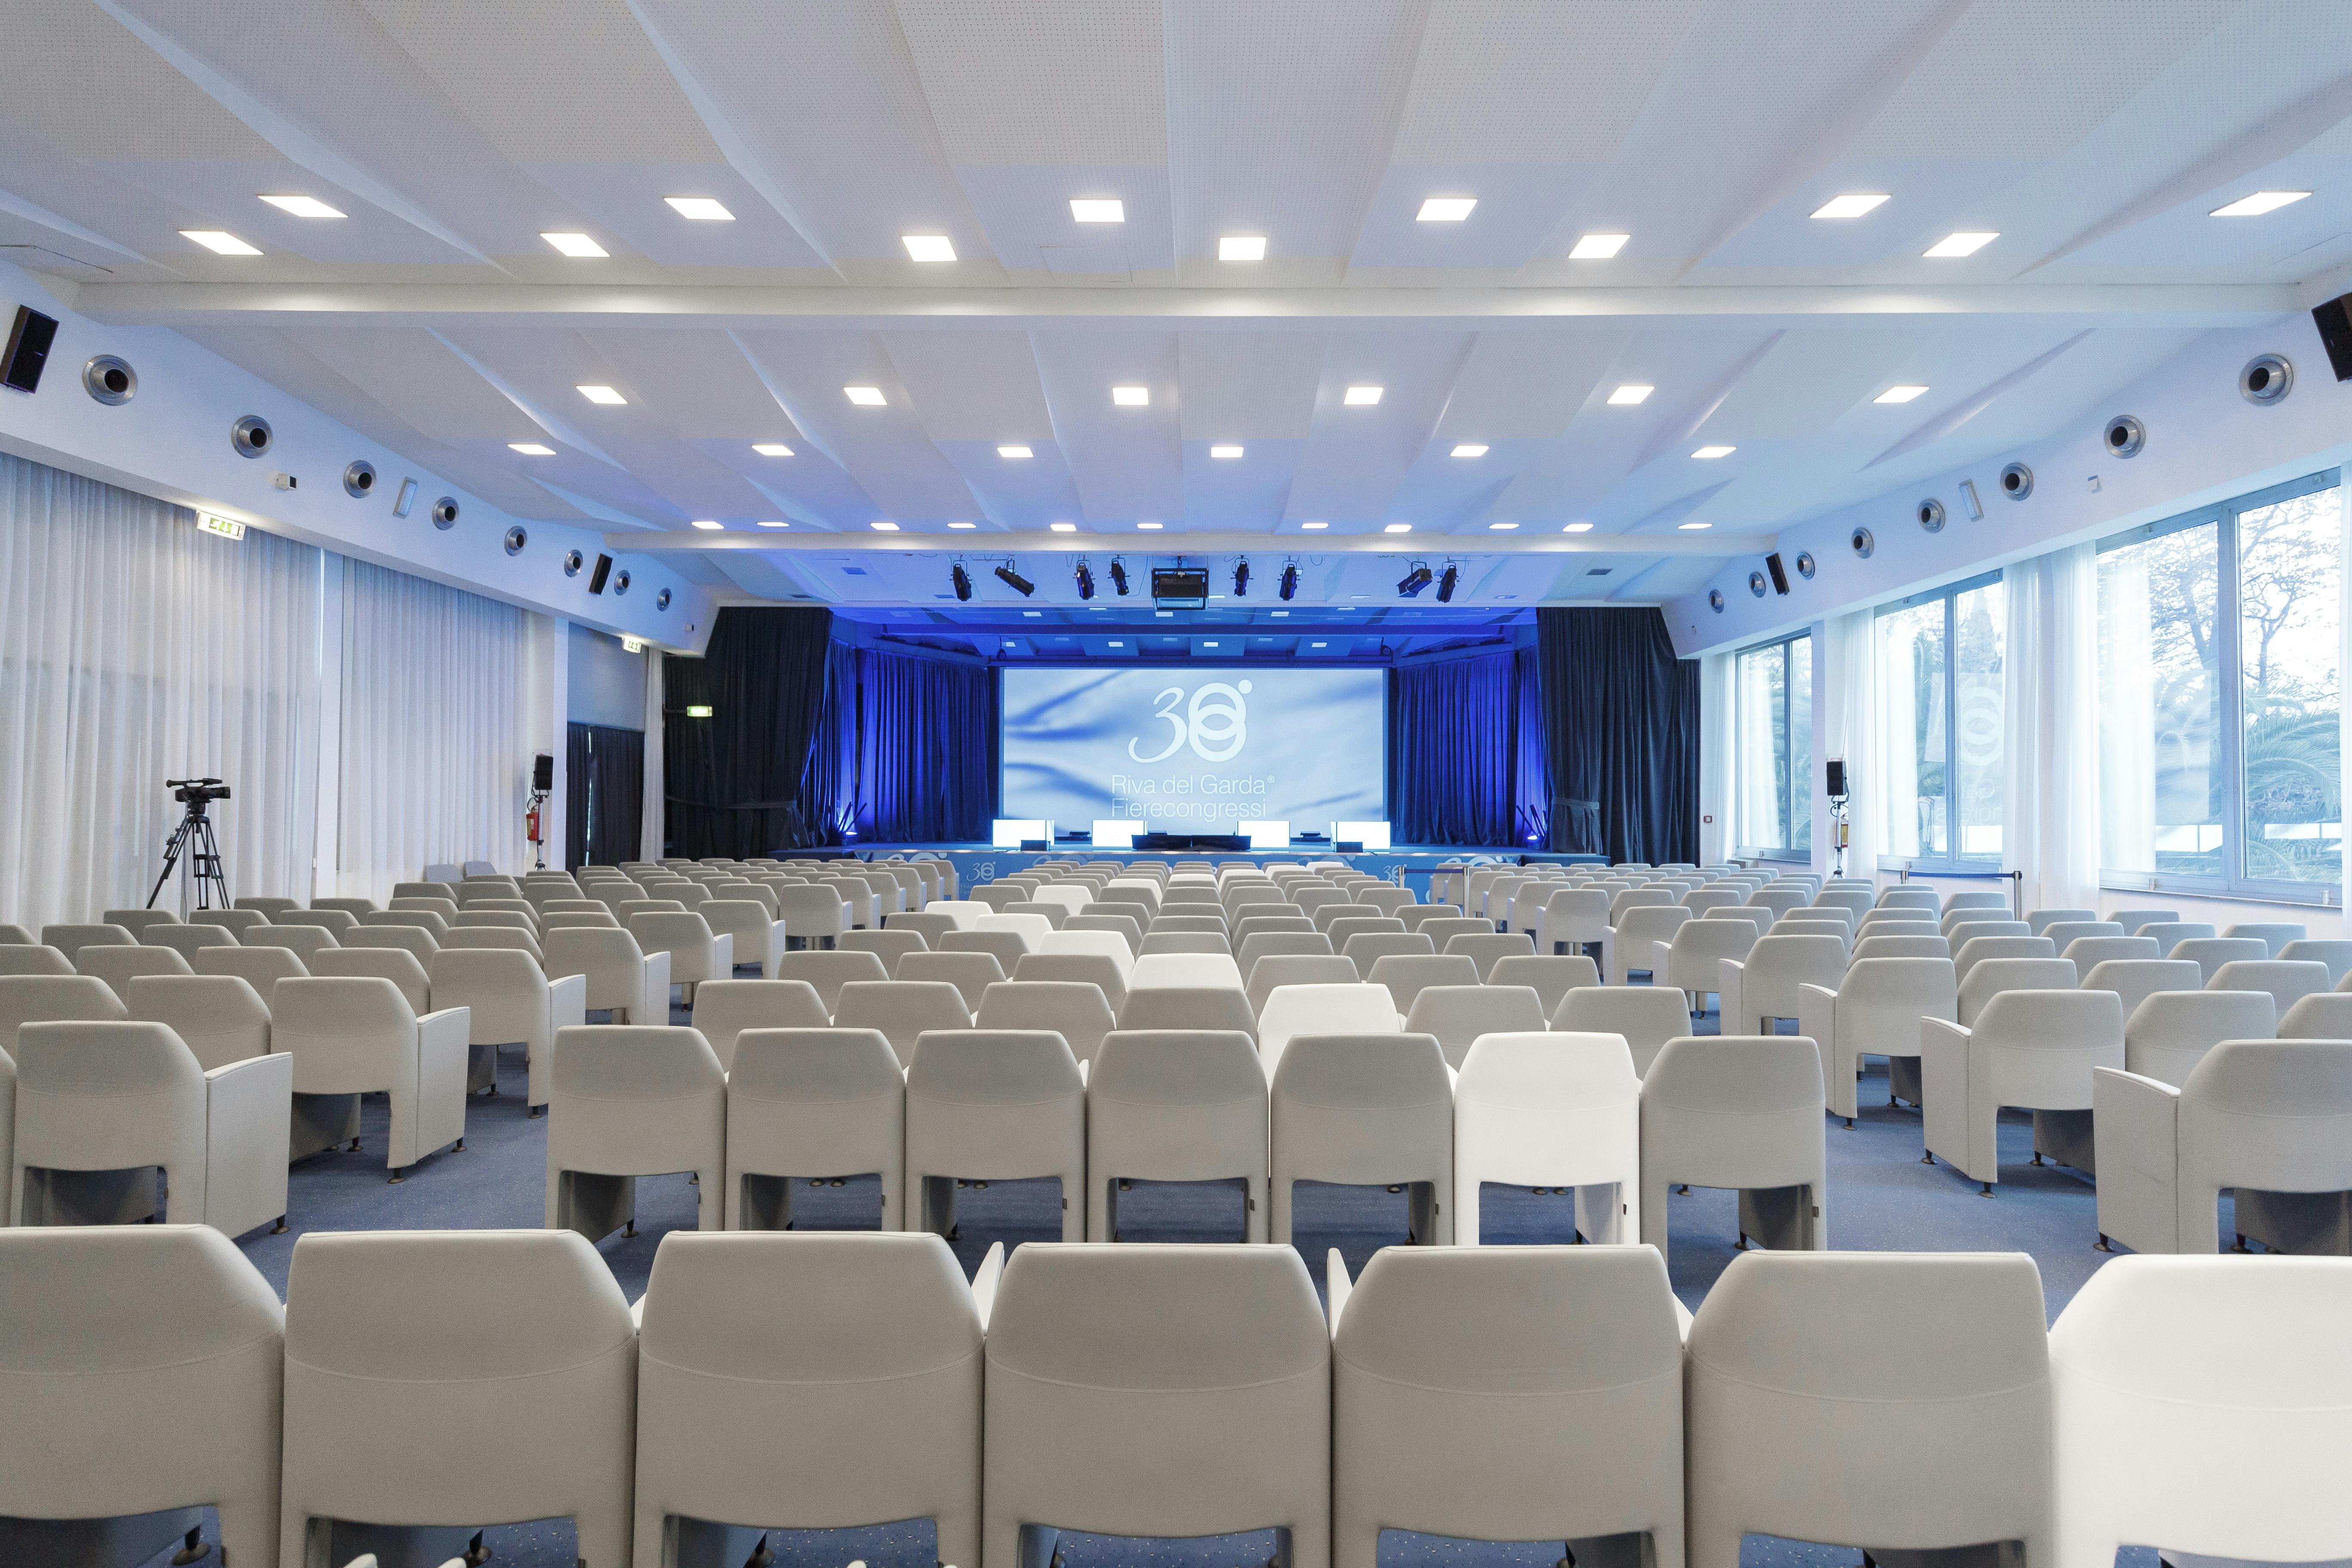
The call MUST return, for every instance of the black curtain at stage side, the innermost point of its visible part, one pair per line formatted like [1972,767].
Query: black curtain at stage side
[1621,731]
[1453,750]
[734,779]
[907,753]
[604,795]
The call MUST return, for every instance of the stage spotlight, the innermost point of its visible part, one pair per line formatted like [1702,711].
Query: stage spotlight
[1240,579]
[1023,586]
[1119,576]
[1446,583]
[1290,581]
[1414,582]
[962,580]
[1084,575]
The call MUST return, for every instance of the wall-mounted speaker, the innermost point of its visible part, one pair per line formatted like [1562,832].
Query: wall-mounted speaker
[1779,573]
[29,341]
[1833,777]
[542,772]
[603,570]
[2335,321]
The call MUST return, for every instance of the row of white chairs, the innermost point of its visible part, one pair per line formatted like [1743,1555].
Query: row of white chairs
[431,1383]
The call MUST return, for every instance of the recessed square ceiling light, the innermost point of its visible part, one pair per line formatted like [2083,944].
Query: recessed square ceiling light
[1578,528]
[1149,527]
[927,246]
[1062,527]
[2258,204]
[219,242]
[1131,396]
[701,209]
[1900,395]
[1501,527]
[963,525]
[1014,452]
[1312,527]
[1398,528]
[1470,449]
[570,244]
[530,449]
[1034,614]
[1964,242]
[1224,451]
[863,396]
[1098,209]
[1597,247]
[1631,393]
[1446,209]
[1362,396]
[305,207]
[603,394]
[1710,453]
[705,522]
[883,527]
[1694,526]
[771,448]
[1241,248]
[1853,205]
[773,522]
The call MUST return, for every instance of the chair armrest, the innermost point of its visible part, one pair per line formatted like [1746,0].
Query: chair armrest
[1082,1073]
[722,955]
[2134,1118]
[1940,1035]
[567,1000]
[1336,1286]
[1817,1012]
[983,1281]
[448,1029]
[1682,1317]
[255,1078]
[657,993]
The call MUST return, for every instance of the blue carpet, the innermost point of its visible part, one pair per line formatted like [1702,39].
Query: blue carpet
[1881,1198]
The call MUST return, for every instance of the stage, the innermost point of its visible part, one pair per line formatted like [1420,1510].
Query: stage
[1407,864]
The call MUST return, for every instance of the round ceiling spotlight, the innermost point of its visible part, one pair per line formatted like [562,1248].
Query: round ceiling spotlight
[620,581]
[110,380]
[1756,583]
[2125,435]
[661,600]
[573,562]
[1805,564]
[359,479]
[2017,481]
[444,513]
[250,436]
[2267,379]
[517,537]
[1863,543]
[1714,600]
[1931,515]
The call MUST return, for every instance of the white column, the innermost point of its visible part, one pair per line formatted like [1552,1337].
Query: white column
[326,859]
[1828,736]
[1715,759]
[650,843]
[547,697]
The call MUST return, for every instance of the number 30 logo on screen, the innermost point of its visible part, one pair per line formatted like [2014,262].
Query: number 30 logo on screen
[1215,724]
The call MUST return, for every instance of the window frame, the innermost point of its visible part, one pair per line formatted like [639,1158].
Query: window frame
[1799,789]
[1952,863]
[2228,637]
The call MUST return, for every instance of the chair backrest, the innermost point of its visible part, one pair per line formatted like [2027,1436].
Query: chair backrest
[1187,1007]
[2168,934]
[1646,1016]
[723,1009]
[1456,1015]
[902,1011]
[1995,975]
[1487,950]
[1910,899]
[889,944]
[1281,944]
[2288,980]
[118,966]
[829,972]
[2040,921]
[188,941]
[305,942]
[2210,954]
[1296,969]
[1705,940]
[2269,1116]
[1901,947]
[1880,1001]
[2038,1024]
[1184,941]
[1406,975]
[993,1066]
[43,998]
[236,920]
[1370,948]
[1076,1010]
[815,1066]
[969,973]
[2187,1406]
[1344,1008]
[2134,980]
[2322,1017]
[1006,946]
[393,964]
[2170,1032]
[811,910]
[1978,949]
[2087,951]
[2276,934]
[2336,955]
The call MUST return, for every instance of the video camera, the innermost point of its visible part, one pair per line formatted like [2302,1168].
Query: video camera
[196,792]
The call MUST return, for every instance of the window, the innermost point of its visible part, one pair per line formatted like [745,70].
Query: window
[1774,745]
[1939,723]
[2220,698]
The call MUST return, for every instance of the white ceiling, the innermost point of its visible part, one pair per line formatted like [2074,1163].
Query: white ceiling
[2095,136]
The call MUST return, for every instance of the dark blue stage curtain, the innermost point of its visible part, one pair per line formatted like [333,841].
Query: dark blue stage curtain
[1621,731]
[734,780]
[1453,750]
[909,750]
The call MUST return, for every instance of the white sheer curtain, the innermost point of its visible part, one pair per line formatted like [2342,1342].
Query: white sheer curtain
[2050,696]
[134,649]
[437,744]
[1849,729]
[652,838]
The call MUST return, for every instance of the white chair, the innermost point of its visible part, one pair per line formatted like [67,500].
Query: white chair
[2287,981]
[218,1017]
[2033,1050]
[695,953]
[118,966]
[1175,1106]
[2271,1120]
[1873,1009]
[829,972]
[1290,1011]
[1573,918]
[623,979]
[2336,955]
[1990,978]
[972,974]
[2134,980]
[1465,1404]
[630,1100]
[1456,1015]
[1740,1112]
[854,1416]
[1550,976]
[1161,970]
[2167,1034]
[1187,1007]
[42,998]
[1098,943]
[812,1104]
[1366,1109]
[99,1105]
[354,1036]
[902,1010]
[1762,987]
[724,1009]
[1695,957]
[1488,950]
[755,934]
[395,964]
[2199,1401]
[1548,1109]
[509,1000]
[1276,970]
[1647,1016]
[993,1105]
[447,1378]
[1969,952]
[814,914]
[1076,1011]
[99,1329]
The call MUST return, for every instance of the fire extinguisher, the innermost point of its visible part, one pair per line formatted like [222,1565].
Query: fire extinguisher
[531,824]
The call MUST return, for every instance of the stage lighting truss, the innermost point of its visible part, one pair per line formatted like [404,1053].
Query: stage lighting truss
[1021,585]
[1414,580]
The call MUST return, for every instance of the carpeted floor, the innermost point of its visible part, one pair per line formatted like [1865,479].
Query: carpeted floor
[1881,1198]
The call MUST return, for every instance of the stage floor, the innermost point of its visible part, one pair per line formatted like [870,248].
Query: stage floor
[1409,865]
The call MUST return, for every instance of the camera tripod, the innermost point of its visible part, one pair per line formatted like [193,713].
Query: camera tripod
[194,838]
